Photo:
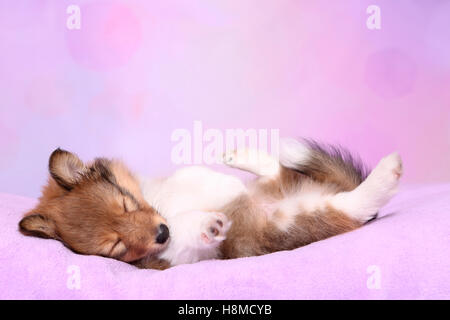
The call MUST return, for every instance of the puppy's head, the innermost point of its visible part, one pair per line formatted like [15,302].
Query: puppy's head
[96,208]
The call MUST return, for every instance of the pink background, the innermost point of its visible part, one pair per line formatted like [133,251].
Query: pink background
[138,70]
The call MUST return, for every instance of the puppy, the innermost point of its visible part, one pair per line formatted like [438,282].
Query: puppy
[311,193]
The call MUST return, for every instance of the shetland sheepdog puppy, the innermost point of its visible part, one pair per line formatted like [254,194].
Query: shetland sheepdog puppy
[310,193]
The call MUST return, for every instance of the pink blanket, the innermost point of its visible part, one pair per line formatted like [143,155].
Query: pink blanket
[405,254]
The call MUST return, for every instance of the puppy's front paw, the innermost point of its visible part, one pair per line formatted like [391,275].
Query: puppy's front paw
[252,160]
[230,158]
[214,228]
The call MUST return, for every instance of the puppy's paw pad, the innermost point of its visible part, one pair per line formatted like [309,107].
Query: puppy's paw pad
[240,157]
[215,228]
[229,157]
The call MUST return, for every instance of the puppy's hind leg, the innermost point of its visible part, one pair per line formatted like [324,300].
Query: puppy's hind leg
[364,202]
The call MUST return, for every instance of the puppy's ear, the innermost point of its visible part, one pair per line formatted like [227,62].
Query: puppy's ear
[66,168]
[37,225]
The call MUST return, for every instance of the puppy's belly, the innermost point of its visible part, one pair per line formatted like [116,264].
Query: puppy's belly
[192,189]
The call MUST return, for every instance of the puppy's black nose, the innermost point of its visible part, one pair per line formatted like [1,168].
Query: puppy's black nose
[163,234]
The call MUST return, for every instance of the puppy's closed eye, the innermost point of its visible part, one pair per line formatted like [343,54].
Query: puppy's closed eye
[118,249]
[125,205]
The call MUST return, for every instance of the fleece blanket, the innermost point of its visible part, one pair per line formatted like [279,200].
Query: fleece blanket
[404,254]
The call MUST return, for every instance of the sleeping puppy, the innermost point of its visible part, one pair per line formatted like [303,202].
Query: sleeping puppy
[311,193]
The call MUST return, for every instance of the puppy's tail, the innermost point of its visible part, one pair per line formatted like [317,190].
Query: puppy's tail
[323,163]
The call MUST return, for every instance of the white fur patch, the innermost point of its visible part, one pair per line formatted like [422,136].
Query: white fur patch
[301,203]
[193,188]
[293,152]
